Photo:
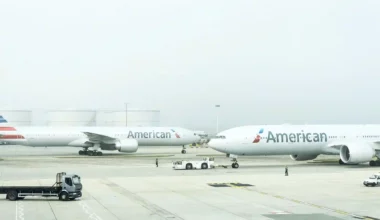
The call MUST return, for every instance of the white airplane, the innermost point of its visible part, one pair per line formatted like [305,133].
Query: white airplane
[354,143]
[123,139]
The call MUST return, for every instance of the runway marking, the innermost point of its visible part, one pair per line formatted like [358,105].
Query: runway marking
[233,185]
[19,210]
[86,209]
[155,209]
[314,205]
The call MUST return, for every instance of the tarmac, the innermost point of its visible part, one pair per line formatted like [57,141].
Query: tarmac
[130,186]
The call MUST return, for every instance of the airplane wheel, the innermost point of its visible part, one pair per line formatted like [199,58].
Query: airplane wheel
[90,153]
[235,165]
[183,151]
[81,152]
[99,153]
[372,163]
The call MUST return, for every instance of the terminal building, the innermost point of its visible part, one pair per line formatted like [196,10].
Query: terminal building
[84,117]
[18,117]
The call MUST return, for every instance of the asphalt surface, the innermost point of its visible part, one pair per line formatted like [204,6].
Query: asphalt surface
[130,186]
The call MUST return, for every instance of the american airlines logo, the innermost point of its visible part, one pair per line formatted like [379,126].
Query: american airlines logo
[258,137]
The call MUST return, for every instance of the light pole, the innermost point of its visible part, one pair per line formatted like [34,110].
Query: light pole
[217,118]
[126,114]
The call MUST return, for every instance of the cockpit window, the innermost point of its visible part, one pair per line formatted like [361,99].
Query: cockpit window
[220,137]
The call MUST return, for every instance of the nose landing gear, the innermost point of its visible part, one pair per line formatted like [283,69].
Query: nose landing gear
[183,149]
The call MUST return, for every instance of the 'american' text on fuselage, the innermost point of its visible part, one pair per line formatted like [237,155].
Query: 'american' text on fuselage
[296,137]
[151,134]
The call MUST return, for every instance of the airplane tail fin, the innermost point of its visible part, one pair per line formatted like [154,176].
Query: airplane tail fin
[5,126]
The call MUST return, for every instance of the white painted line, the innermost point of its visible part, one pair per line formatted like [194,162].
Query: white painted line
[86,209]
[19,210]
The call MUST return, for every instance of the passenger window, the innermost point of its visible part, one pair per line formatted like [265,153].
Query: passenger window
[68,181]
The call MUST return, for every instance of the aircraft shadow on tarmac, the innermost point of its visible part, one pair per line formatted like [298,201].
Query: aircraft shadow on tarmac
[319,164]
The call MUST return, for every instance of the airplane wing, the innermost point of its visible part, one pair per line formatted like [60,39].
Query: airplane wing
[98,138]
[375,144]
[337,145]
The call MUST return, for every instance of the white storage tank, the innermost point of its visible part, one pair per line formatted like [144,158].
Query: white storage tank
[135,118]
[18,117]
[71,118]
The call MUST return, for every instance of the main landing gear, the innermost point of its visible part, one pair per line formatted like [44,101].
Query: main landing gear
[85,151]
[183,149]
[235,164]
[374,163]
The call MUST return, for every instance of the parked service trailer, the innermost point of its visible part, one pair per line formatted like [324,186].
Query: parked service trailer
[66,187]
[206,163]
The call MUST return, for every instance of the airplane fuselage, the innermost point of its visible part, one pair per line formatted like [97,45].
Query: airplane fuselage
[292,139]
[63,136]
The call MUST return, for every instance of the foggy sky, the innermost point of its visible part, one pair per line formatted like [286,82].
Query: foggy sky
[264,62]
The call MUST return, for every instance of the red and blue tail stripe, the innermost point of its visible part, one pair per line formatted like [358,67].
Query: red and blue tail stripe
[11,136]
[7,129]
[4,126]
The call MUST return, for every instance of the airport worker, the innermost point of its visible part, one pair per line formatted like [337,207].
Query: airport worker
[286,170]
[156,162]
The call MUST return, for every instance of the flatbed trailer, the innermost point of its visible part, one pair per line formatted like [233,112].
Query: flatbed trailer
[67,187]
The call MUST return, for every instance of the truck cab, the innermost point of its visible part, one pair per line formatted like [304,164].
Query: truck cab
[70,184]
[372,180]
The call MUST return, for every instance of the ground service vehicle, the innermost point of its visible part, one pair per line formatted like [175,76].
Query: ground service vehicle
[66,187]
[206,163]
[372,180]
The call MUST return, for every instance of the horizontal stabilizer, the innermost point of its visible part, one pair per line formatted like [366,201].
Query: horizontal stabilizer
[2,119]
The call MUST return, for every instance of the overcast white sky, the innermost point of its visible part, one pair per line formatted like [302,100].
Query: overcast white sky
[264,62]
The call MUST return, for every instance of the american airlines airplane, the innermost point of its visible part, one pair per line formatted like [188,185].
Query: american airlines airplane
[123,139]
[353,143]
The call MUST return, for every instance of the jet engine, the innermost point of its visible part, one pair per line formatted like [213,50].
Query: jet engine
[303,157]
[356,153]
[126,145]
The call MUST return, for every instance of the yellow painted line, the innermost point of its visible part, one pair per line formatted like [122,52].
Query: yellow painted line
[341,212]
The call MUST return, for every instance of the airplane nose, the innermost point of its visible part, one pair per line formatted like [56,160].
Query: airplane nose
[213,144]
